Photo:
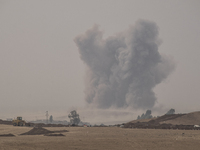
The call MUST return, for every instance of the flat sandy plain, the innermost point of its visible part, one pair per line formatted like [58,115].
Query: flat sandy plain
[101,138]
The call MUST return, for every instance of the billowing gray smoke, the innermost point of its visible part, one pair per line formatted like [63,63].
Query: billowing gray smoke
[171,111]
[147,115]
[123,69]
[74,118]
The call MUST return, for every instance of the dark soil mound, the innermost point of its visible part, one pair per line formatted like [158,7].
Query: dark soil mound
[37,131]
[7,135]
[60,131]
[54,134]
[40,131]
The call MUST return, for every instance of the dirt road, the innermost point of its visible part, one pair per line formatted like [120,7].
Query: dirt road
[100,138]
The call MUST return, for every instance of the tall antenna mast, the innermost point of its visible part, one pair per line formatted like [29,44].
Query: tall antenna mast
[47,115]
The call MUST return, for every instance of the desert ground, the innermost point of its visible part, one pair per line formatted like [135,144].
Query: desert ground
[100,138]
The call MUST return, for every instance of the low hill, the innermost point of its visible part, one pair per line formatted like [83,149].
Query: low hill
[187,119]
[172,121]
[142,120]
[192,118]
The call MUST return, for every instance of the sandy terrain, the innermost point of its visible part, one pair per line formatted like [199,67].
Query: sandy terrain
[101,138]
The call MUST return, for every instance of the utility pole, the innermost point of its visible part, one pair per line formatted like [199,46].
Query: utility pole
[47,115]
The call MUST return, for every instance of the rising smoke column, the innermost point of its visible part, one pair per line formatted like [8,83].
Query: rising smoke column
[122,70]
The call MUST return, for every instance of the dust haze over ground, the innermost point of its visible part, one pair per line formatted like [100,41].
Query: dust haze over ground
[123,69]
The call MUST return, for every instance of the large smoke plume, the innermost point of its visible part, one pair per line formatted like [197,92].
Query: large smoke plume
[123,69]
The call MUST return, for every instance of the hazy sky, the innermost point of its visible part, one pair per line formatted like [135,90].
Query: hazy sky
[40,66]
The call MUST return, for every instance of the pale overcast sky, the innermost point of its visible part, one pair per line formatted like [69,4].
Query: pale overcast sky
[40,66]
